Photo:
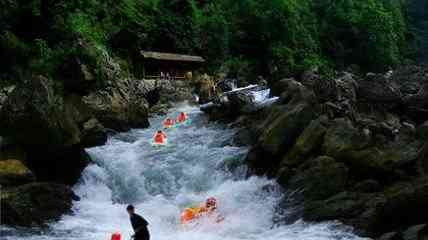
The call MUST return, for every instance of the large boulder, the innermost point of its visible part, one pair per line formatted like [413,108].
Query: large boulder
[417,232]
[50,128]
[282,132]
[406,204]
[281,86]
[35,115]
[307,143]
[35,204]
[14,173]
[423,160]
[378,88]
[320,178]
[346,143]
[422,131]
[120,106]
[356,209]
[93,133]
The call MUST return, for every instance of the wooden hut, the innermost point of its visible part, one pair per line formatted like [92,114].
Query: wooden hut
[158,65]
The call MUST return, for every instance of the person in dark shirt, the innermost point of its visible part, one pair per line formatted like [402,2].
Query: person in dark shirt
[139,224]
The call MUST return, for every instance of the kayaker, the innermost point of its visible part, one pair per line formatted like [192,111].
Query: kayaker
[159,137]
[139,224]
[209,208]
[168,123]
[182,117]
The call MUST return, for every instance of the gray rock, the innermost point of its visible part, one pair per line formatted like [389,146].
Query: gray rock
[306,144]
[417,232]
[320,179]
[93,134]
[368,186]
[391,236]
[35,204]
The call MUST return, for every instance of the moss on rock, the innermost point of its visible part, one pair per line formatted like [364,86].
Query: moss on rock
[14,172]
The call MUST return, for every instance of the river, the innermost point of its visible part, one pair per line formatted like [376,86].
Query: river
[199,162]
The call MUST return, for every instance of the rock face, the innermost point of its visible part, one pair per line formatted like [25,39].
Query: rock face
[351,148]
[14,172]
[121,105]
[34,204]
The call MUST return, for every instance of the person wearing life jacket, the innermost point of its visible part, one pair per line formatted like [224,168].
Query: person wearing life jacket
[209,208]
[168,123]
[159,137]
[182,117]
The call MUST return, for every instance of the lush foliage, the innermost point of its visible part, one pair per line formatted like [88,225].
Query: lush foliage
[271,38]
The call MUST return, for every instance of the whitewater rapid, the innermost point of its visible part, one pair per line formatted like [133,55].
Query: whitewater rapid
[199,162]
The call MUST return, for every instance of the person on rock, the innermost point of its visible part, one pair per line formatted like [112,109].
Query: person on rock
[168,123]
[182,117]
[159,137]
[139,224]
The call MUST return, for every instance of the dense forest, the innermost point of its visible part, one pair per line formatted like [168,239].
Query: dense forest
[274,38]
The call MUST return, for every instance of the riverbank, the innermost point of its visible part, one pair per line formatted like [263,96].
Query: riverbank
[352,148]
[47,124]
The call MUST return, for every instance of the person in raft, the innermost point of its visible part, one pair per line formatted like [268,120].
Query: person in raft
[209,208]
[139,224]
[159,137]
[168,123]
[182,117]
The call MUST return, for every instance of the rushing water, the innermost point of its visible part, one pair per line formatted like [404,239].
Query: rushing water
[198,162]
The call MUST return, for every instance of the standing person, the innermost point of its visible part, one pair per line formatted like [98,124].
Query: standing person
[139,224]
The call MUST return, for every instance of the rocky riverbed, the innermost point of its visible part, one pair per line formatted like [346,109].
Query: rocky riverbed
[351,148]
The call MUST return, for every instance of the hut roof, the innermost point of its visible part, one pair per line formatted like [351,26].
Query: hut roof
[171,57]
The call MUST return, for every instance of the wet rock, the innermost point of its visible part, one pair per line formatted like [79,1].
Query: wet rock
[368,186]
[35,204]
[281,86]
[93,134]
[120,106]
[356,209]
[306,144]
[422,131]
[312,178]
[244,137]
[391,236]
[405,205]
[295,92]
[417,232]
[341,138]
[423,160]
[346,143]
[34,114]
[14,173]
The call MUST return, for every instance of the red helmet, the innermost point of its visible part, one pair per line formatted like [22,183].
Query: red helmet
[211,202]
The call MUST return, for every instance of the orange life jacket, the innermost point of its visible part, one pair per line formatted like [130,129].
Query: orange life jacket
[159,138]
[115,236]
[168,122]
[181,117]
